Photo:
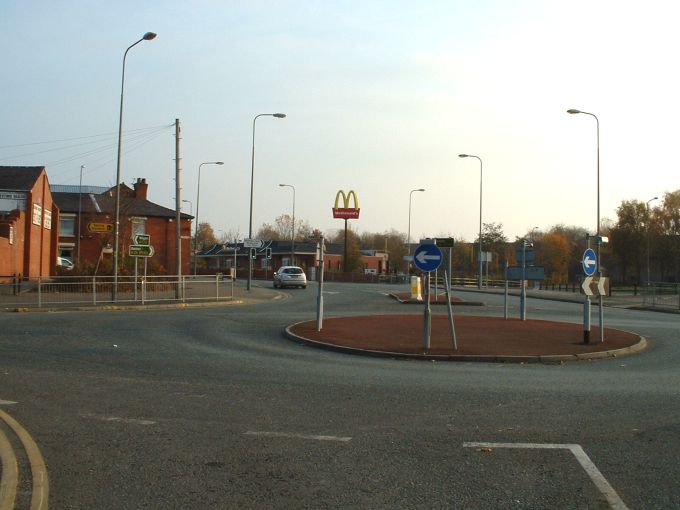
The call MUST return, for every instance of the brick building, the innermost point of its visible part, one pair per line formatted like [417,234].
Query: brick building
[86,226]
[28,218]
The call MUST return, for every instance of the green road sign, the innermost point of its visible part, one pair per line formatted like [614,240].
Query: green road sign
[143,239]
[444,242]
[140,250]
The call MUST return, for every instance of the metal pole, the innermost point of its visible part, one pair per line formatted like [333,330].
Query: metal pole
[178,209]
[648,220]
[80,211]
[198,198]
[252,181]
[523,290]
[447,277]
[505,297]
[480,222]
[147,37]
[427,319]
[319,298]
[344,258]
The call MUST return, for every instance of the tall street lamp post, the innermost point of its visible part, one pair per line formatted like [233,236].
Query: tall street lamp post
[191,206]
[648,218]
[146,37]
[292,230]
[479,283]
[408,236]
[198,198]
[598,238]
[252,180]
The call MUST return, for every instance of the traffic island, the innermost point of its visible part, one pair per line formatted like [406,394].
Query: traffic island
[490,339]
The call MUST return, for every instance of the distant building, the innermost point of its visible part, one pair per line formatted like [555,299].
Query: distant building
[28,219]
[87,218]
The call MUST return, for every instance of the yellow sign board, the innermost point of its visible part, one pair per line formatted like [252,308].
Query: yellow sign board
[100,228]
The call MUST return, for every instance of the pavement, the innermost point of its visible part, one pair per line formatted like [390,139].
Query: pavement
[490,339]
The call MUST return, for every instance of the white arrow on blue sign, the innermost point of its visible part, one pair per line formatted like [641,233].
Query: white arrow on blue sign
[589,262]
[427,257]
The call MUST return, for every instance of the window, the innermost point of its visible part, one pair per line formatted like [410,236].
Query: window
[67,225]
[66,251]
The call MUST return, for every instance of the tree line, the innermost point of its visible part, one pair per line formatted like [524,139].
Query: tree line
[644,243]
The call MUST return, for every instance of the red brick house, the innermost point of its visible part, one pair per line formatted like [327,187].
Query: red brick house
[28,218]
[86,226]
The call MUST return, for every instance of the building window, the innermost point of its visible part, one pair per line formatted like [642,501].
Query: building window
[67,225]
[66,250]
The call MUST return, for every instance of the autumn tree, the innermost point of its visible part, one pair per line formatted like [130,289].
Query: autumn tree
[205,236]
[393,242]
[627,239]
[353,262]
[282,228]
[552,252]
[666,234]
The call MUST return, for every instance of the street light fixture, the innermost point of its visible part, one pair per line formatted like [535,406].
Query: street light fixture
[479,283]
[198,197]
[408,238]
[599,238]
[252,180]
[146,37]
[292,233]
[191,206]
[648,201]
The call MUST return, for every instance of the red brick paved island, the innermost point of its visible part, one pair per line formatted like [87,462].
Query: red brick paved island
[476,336]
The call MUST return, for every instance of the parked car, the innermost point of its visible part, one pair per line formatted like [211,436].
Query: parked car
[64,263]
[290,276]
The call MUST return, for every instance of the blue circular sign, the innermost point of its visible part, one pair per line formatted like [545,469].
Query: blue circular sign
[427,257]
[589,262]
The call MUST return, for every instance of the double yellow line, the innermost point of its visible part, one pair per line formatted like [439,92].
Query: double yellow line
[10,468]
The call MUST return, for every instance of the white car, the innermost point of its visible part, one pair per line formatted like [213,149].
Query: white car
[64,263]
[290,276]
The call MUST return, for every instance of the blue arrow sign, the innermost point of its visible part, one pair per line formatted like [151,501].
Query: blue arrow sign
[427,257]
[589,262]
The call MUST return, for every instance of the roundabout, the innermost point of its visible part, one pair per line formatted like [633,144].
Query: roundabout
[478,339]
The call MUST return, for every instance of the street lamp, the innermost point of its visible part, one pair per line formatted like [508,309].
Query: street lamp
[191,206]
[408,237]
[146,37]
[479,284]
[198,197]
[252,180]
[292,233]
[574,111]
[648,201]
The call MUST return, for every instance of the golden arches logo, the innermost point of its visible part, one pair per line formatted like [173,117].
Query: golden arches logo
[346,212]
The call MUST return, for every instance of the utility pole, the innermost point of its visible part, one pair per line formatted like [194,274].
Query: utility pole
[178,210]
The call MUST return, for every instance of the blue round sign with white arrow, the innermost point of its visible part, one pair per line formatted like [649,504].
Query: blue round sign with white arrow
[427,257]
[589,262]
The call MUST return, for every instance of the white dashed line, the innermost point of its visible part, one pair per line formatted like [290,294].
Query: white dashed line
[118,419]
[7,402]
[598,479]
[292,435]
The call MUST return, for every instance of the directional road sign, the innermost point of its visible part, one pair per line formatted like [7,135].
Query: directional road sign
[100,228]
[595,286]
[589,262]
[427,257]
[253,243]
[530,273]
[143,239]
[140,250]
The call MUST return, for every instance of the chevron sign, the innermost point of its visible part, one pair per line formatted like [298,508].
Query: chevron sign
[595,286]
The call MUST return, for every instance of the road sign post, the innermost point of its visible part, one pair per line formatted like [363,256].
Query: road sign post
[427,258]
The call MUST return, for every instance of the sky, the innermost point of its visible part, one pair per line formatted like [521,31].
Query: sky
[380,97]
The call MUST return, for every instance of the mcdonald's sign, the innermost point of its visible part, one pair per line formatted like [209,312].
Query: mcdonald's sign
[346,212]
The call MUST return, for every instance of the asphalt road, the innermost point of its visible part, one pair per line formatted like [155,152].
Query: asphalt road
[213,408]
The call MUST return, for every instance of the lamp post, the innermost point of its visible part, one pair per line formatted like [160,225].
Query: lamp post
[292,233]
[598,238]
[252,180]
[408,236]
[191,206]
[648,201]
[479,284]
[198,197]
[80,212]
[146,37]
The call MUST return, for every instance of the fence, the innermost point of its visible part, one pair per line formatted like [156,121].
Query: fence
[662,295]
[98,290]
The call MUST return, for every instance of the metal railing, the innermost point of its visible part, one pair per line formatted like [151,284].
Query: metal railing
[98,290]
[662,295]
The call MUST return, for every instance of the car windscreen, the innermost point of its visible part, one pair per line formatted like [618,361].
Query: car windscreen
[293,270]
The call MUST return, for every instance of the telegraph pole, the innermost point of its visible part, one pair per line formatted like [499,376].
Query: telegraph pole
[178,209]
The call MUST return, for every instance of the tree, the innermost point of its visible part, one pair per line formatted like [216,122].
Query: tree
[393,242]
[205,236]
[282,228]
[575,238]
[666,226]
[627,238]
[353,262]
[552,252]
[494,241]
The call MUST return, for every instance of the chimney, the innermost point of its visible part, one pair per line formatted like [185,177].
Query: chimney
[140,189]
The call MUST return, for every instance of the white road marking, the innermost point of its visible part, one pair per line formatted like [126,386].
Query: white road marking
[615,502]
[132,421]
[292,435]
[7,402]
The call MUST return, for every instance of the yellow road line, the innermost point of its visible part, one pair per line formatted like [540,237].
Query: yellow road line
[40,487]
[10,474]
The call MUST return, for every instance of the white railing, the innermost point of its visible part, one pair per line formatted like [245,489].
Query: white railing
[98,290]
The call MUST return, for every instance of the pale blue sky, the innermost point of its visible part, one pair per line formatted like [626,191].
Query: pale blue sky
[381,98]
